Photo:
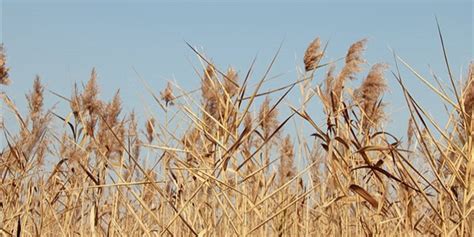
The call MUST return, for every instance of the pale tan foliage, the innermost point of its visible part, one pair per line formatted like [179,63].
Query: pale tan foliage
[216,165]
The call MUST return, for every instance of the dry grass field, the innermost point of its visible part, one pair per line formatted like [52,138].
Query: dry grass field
[223,160]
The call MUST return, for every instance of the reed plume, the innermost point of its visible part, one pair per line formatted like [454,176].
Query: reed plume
[313,55]
[469,91]
[327,96]
[353,61]
[216,165]
[208,87]
[150,129]
[167,95]
[268,118]
[111,128]
[4,79]
[75,102]
[89,98]
[369,93]
[35,98]
[210,94]
[410,132]
[230,82]
[287,167]
[134,139]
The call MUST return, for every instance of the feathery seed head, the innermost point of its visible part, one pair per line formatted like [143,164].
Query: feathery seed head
[113,110]
[4,80]
[75,103]
[89,97]
[268,118]
[469,92]
[167,95]
[353,60]
[230,82]
[287,167]
[35,98]
[208,84]
[150,129]
[313,55]
[370,91]
[411,131]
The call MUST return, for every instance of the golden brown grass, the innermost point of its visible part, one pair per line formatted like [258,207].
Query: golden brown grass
[221,164]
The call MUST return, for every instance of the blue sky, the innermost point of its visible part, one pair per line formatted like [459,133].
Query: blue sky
[62,40]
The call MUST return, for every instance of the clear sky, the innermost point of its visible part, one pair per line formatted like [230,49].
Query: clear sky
[62,40]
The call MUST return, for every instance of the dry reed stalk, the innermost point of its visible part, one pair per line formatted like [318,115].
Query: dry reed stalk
[95,180]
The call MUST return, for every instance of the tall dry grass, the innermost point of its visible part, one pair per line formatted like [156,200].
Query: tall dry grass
[225,164]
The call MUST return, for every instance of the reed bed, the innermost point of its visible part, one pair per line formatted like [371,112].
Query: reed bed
[222,160]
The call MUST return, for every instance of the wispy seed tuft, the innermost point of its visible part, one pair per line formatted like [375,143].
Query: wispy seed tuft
[313,55]
[167,95]
[369,93]
[469,93]
[4,80]
[150,129]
